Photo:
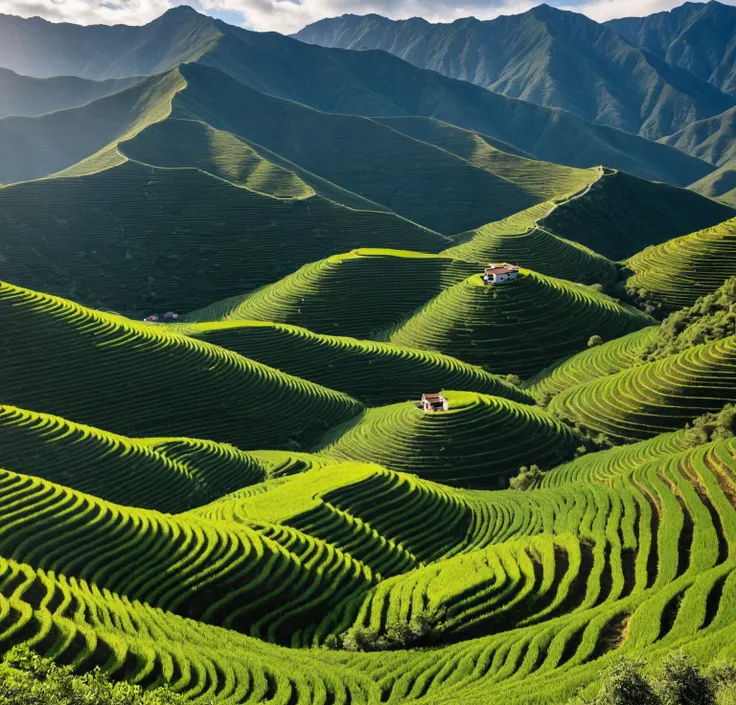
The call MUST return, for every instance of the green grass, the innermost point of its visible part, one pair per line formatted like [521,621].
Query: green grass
[518,328]
[142,379]
[479,442]
[678,272]
[357,293]
[375,373]
[659,396]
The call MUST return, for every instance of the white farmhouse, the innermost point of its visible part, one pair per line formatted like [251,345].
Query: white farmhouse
[502,273]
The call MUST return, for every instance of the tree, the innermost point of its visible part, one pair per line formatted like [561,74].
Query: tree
[28,679]
[527,478]
[681,682]
[595,341]
[623,683]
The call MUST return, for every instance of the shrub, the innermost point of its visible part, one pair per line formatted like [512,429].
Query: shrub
[421,631]
[623,683]
[594,341]
[715,426]
[681,682]
[526,478]
[28,679]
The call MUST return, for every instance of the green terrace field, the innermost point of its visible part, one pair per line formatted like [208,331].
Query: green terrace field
[137,378]
[477,443]
[599,361]
[172,239]
[676,273]
[518,328]
[229,271]
[375,373]
[357,293]
[660,396]
[621,215]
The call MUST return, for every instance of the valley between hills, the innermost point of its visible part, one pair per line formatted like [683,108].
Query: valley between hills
[391,362]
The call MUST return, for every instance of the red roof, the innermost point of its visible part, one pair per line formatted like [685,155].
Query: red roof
[503,269]
[433,397]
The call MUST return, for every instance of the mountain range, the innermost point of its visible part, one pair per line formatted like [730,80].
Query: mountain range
[560,59]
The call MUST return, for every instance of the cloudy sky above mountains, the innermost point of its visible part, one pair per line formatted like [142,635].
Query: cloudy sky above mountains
[288,16]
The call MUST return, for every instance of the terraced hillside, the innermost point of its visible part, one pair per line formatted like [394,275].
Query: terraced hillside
[517,328]
[599,361]
[376,373]
[141,379]
[680,271]
[172,239]
[655,397]
[477,443]
[519,238]
[645,214]
[340,295]
[31,148]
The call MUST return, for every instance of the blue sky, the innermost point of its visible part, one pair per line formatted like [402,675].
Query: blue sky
[288,16]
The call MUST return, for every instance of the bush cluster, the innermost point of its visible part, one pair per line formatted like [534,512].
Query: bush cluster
[710,318]
[418,633]
[679,681]
[28,679]
[714,426]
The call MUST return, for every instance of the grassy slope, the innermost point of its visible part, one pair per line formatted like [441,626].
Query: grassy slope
[31,148]
[356,153]
[660,396]
[675,273]
[599,361]
[169,475]
[621,215]
[357,293]
[141,379]
[175,143]
[479,442]
[24,96]
[174,238]
[375,373]
[518,328]
[546,56]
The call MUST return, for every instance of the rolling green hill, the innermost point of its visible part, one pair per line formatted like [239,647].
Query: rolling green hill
[645,214]
[375,373]
[698,37]
[517,328]
[174,239]
[520,238]
[479,442]
[339,295]
[675,273]
[124,470]
[545,56]
[31,148]
[599,361]
[24,96]
[660,396]
[142,379]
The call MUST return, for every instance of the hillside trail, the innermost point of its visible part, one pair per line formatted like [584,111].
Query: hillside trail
[602,172]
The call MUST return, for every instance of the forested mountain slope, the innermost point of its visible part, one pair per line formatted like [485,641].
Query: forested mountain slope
[699,37]
[546,56]
[359,83]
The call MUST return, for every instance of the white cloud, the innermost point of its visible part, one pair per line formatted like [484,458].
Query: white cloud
[288,16]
